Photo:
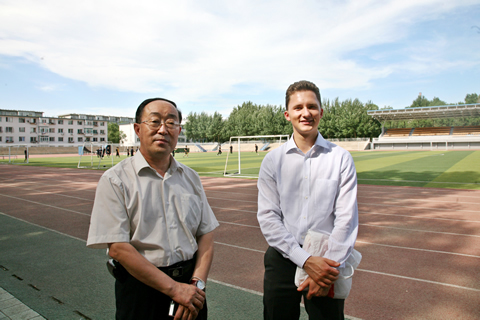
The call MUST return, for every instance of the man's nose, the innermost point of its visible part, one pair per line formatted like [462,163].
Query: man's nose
[162,129]
[306,112]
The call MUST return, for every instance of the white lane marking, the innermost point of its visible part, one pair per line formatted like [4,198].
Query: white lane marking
[240,224]
[55,193]
[419,280]
[428,231]
[413,207]
[46,205]
[238,247]
[418,249]
[416,217]
[37,225]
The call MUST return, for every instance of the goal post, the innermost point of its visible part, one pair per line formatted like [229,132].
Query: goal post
[241,160]
[14,154]
[94,155]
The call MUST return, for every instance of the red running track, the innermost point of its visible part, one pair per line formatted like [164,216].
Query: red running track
[420,247]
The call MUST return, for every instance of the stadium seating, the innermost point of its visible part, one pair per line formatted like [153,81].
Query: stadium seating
[432,131]
[466,131]
[397,132]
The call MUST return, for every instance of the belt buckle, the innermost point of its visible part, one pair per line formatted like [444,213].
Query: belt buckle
[177,272]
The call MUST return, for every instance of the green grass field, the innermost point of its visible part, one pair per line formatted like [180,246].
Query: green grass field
[436,169]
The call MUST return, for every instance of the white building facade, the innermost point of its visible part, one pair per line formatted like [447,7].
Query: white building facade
[19,127]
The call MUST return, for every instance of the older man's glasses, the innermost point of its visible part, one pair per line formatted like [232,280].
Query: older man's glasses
[155,124]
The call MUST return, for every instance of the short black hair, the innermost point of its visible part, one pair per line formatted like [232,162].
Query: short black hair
[138,114]
[302,85]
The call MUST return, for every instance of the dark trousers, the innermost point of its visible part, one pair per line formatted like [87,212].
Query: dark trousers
[135,300]
[281,300]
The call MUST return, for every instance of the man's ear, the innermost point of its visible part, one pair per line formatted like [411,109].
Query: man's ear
[136,127]
[321,112]
[287,115]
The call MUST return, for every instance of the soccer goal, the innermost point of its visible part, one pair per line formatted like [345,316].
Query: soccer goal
[243,152]
[96,155]
[14,154]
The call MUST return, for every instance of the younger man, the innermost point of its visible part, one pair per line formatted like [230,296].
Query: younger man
[307,183]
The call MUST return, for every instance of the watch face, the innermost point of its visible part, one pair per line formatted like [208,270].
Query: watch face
[200,285]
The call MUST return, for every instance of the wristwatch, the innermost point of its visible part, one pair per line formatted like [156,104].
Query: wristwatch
[197,282]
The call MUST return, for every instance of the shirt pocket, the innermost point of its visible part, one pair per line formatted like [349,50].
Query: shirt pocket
[190,211]
[325,194]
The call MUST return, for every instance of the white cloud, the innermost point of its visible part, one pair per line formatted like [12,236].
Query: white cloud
[193,51]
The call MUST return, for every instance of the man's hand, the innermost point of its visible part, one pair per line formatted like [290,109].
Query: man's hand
[314,290]
[322,270]
[190,301]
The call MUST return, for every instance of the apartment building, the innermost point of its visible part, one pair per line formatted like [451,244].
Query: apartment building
[18,127]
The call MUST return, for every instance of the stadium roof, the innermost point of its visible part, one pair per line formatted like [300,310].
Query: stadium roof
[450,111]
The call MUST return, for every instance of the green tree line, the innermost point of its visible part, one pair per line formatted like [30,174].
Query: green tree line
[341,119]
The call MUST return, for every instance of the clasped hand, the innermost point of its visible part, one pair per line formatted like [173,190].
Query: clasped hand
[322,273]
[190,301]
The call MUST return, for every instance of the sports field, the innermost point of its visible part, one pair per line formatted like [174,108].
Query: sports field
[436,169]
[420,246]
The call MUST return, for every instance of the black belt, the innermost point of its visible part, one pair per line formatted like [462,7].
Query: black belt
[179,269]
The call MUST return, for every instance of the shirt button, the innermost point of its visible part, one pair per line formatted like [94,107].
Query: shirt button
[306,197]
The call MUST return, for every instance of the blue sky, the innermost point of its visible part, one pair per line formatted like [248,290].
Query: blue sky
[105,57]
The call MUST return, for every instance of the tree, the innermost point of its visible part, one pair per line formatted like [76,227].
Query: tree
[472,98]
[114,134]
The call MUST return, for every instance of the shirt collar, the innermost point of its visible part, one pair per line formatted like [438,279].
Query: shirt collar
[139,163]
[319,142]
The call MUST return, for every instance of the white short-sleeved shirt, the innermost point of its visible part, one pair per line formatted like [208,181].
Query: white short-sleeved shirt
[160,216]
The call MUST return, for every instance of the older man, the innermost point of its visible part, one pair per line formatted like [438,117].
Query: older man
[152,214]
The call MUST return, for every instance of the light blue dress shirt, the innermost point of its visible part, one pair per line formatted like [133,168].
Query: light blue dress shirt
[298,192]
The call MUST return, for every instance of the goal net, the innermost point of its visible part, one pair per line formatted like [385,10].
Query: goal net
[245,154]
[97,155]
[14,154]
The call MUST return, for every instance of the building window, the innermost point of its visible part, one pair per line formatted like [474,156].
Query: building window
[80,139]
[33,130]
[70,122]
[70,130]
[60,130]
[9,129]
[79,123]
[1,129]
[60,139]
[95,139]
[9,139]
[102,139]
[21,120]
[51,130]
[8,119]
[43,139]
[21,129]
[33,139]
[95,131]
[52,139]
[102,124]
[70,139]
[21,139]
[102,131]
[80,131]
[60,121]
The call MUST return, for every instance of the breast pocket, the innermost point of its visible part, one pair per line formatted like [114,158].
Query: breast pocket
[325,194]
[190,211]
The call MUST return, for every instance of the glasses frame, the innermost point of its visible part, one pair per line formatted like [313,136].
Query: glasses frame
[172,126]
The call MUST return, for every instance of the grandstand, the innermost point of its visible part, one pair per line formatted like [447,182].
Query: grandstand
[428,138]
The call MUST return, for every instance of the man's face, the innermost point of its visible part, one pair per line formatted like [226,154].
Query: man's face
[304,112]
[157,141]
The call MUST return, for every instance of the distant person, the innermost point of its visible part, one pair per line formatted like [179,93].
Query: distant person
[131,152]
[117,150]
[26,155]
[256,148]
[231,149]
[306,183]
[186,151]
[219,150]
[152,213]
